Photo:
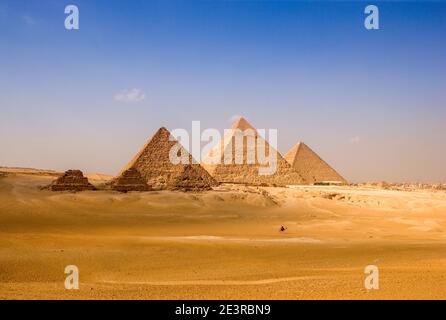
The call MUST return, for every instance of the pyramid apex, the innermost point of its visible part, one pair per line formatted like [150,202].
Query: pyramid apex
[163,129]
[299,146]
[242,124]
[161,133]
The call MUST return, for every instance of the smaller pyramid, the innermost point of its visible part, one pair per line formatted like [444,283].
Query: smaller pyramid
[154,165]
[311,166]
[130,180]
[71,180]
[189,178]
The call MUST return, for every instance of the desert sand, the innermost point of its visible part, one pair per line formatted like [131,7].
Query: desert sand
[221,244]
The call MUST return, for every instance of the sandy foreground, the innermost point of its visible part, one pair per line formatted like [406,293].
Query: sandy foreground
[221,244]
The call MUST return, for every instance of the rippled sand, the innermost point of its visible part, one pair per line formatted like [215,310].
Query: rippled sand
[221,244]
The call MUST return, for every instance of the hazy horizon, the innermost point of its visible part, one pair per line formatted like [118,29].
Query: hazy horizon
[370,103]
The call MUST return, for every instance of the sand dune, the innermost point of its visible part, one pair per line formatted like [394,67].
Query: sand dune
[223,243]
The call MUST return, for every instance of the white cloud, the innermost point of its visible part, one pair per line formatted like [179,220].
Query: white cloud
[355,139]
[130,96]
[29,20]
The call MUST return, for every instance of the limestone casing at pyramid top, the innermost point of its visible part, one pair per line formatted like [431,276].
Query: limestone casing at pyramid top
[242,124]
[248,172]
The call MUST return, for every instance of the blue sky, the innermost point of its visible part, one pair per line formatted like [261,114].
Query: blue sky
[371,103]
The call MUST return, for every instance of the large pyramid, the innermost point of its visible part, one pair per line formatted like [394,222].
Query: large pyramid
[154,165]
[311,166]
[247,171]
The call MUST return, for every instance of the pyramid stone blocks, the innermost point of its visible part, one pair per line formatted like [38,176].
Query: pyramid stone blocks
[156,168]
[311,166]
[130,180]
[71,180]
[248,172]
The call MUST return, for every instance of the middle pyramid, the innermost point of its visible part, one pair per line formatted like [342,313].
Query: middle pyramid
[244,171]
[154,165]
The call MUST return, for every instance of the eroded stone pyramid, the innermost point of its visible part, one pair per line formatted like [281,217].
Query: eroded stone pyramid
[247,171]
[154,165]
[71,180]
[130,180]
[311,166]
[190,178]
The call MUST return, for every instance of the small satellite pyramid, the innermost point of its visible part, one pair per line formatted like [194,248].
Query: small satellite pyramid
[244,165]
[311,166]
[155,166]
[130,180]
[71,180]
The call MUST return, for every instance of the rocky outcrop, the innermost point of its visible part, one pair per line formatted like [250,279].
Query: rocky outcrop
[71,180]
